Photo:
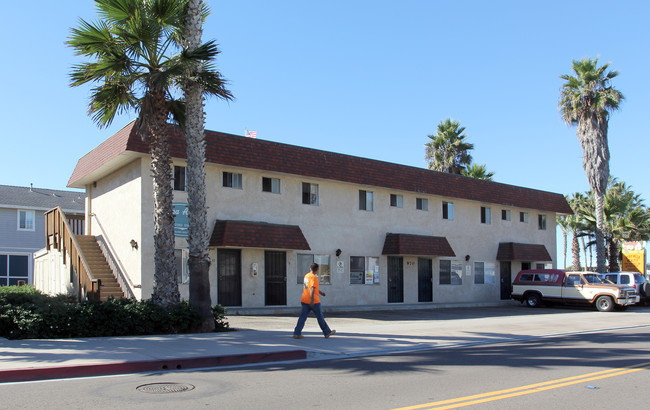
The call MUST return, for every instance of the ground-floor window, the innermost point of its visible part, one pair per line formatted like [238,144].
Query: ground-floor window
[304,266]
[451,272]
[14,269]
[484,273]
[364,270]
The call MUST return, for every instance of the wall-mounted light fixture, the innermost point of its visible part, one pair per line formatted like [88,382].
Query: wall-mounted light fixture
[134,244]
[338,253]
[467,257]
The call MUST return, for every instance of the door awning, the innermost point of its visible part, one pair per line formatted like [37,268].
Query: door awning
[510,251]
[405,244]
[250,234]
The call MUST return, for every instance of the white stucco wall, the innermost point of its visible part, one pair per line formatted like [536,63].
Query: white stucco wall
[123,204]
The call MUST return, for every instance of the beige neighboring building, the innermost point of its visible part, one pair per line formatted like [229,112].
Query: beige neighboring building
[383,233]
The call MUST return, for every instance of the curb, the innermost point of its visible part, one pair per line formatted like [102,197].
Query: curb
[162,365]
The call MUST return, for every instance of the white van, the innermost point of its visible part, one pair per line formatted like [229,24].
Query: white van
[635,279]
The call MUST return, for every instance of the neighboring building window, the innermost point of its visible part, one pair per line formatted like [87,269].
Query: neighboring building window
[179,178]
[232,180]
[451,272]
[505,214]
[271,185]
[422,204]
[25,220]
[13,268]
[541,222]
[396,200]
[486,217]
[304,266]
[181,257]
[539,266]
[523,217]
[447,210]
[309,193]
[365,200]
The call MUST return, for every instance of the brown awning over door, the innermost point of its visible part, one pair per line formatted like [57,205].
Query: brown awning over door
[510,251]
[405,244]
[249,234]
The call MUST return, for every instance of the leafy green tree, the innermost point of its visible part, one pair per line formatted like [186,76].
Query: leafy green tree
[448,151]
[202,79]
[478,171]
[586,100]
[136,65]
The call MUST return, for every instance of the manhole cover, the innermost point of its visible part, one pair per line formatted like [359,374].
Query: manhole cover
[162,388]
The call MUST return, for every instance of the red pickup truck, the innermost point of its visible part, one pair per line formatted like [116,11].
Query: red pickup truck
[558,286]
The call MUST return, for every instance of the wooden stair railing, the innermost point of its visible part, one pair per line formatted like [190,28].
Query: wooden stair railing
[60,236]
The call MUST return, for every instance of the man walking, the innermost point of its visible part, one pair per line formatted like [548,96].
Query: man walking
[310,300]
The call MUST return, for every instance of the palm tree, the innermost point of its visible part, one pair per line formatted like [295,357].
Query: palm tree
[202,79]
[574,223]
[586,101]
[136,66]
[478,171]
[447,151]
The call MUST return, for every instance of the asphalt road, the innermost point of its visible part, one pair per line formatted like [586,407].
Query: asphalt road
[601,370]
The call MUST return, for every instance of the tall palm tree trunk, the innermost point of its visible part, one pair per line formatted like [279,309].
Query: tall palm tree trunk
[601,260]
[198,240]
[165,285]
[575,250]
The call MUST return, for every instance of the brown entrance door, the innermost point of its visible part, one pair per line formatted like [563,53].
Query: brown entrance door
[425,282]
[395,279]
[506,280]
[275,278]
[229,277]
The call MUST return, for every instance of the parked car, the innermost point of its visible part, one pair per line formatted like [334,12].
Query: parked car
[635,279]
[538,286]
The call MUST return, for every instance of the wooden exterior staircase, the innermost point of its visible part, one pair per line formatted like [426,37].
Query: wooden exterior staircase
[89,270]
[99,267]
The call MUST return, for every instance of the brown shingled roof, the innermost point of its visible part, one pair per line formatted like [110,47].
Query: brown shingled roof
[247,234]
[510,251]
[233,150]
[403,244]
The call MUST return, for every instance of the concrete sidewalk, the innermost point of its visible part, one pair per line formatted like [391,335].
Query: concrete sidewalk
[262,339]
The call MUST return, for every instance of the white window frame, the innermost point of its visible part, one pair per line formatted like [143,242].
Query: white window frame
[313,194]
[232,180]
[523,217]
[449,207]
[324,271]
[399,201]
[422,204]
[27,226]
[366,200]
[275,185]
[485,210]
[508,215]
[541,222]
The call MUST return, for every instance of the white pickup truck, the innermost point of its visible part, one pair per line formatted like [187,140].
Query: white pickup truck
[557,286]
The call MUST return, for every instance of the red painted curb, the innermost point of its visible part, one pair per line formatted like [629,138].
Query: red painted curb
[86,370]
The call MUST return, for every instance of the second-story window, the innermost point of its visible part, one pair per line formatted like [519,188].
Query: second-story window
[396,200]
[486,217]
[365,200]
[271,185]
[447,210]
[179,178]
[232,180]
[422,204]
[309,193]
[541,222]
[26,220]
[505,214]
[523,217]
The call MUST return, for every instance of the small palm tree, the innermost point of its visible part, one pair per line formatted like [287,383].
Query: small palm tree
[137,65]
[447,151]
[478,172]
[201,79]
[586,100]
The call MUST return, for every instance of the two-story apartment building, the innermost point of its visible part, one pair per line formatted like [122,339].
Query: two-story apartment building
[381,232]
[22,231]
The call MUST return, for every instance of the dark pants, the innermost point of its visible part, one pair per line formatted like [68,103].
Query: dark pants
[319,316]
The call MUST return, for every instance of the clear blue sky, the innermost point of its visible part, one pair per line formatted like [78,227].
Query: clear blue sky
[368,78]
